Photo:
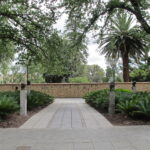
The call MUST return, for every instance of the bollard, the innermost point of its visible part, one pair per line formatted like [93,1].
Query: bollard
[23,100]
[111,108]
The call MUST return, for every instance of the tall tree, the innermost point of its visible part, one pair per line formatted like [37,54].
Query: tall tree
[123,41]
[59,56]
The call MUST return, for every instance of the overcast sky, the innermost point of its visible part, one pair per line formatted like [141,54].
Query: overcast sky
[94,57]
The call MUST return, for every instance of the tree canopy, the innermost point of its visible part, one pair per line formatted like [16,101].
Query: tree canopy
[25,23]
[91,12]
[27,27]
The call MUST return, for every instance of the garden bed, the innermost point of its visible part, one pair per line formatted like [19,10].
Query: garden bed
[131,108]
[10,103]
[123,119]
[15,120]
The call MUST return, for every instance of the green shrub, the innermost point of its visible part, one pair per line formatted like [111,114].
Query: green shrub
[7,105]
[133,104]
[9,101]
[127,106]
[37,99]
[138,105]
[98,99]
[143,106]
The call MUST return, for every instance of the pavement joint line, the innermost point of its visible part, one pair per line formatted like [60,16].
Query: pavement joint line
[23,148]
[82,118]
[55,113]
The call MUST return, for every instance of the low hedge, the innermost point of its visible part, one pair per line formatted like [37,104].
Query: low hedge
[10,101]
[133,104]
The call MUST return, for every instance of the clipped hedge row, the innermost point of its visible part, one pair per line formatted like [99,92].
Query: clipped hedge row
[9,101]
[133,104]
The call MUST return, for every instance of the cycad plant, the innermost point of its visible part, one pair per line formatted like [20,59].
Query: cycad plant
[7,105]
[124,40]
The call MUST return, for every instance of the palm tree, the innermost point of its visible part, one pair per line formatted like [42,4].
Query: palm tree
[124,41]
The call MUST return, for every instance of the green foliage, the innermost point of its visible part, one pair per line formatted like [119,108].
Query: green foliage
[127,106]
[58,57]
[88,13]
[133,104]
[112,71]
[7,50]
[9,101]
[98,99]
[123,95]
[79,80]
[138,105]
[140,75]
[127,40]
[38,99]
[61,56]
[10,94]
[90,73]
[124,41]
[94,73]
[123,90]
[7,105]
[24,23]
[109,74]
[143,108]
[142,72]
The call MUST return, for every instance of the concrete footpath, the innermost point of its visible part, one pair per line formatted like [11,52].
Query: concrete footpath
[70,124]
[67,114]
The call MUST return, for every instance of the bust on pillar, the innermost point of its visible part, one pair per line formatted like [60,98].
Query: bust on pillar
[134,86]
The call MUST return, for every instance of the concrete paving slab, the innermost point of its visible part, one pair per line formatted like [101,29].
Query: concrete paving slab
[69,113]
[115,138]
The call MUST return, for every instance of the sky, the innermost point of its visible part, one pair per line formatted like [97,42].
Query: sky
[95,57]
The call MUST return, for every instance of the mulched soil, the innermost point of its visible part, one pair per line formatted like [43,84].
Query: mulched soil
[15,120]
[123,120]
[119,119]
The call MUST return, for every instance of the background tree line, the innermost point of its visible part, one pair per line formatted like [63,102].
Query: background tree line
[29,38]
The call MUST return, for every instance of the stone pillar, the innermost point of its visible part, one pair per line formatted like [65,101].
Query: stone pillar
[23,100]
[111,108]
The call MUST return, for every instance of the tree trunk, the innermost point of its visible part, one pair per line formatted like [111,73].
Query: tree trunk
[125,59]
